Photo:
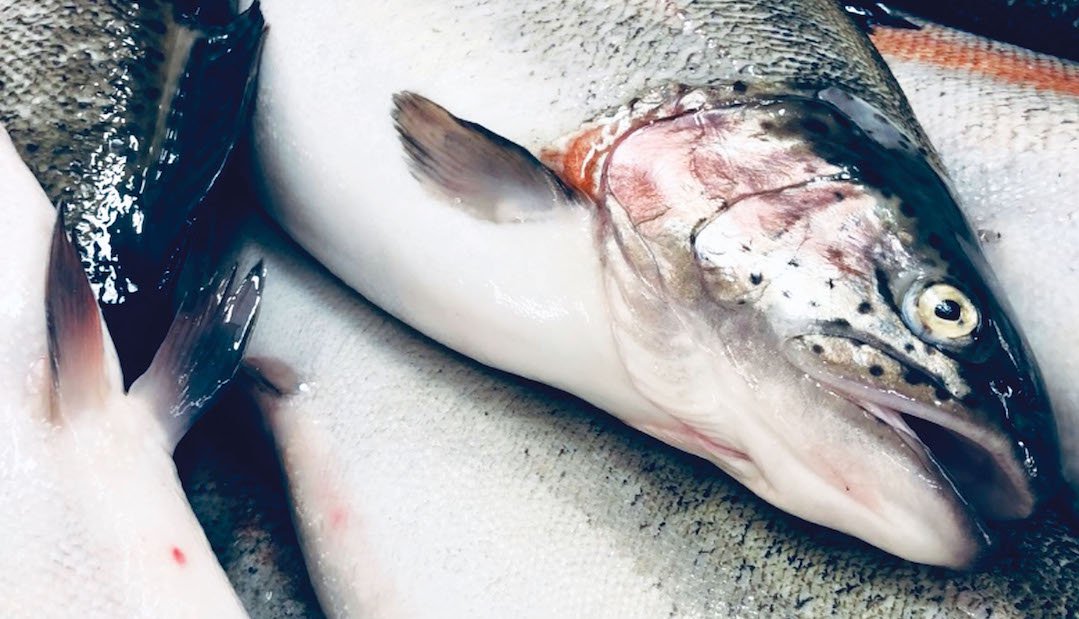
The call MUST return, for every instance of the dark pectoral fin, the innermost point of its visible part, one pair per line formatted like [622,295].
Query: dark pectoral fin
[82,371]
[478,170]
[202,350]
[205,104]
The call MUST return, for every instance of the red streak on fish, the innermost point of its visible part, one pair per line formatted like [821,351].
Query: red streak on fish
[945,48]
[178,556]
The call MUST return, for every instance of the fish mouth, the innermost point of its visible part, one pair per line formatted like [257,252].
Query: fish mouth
[978,461]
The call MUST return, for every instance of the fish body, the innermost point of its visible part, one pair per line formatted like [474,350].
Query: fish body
[426,485]
[96,523]
[126,113]
[615,226]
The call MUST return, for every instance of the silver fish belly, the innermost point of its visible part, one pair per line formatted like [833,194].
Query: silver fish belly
[630,249]
[822,391]
[95,519]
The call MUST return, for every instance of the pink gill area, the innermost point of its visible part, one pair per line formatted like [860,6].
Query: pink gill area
[178,556]
[694,165]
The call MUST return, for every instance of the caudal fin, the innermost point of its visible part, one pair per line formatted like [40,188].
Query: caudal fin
[202,350]
[206,109]
[207,91]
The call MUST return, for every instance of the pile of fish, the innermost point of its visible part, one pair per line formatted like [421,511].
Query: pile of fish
[807,262]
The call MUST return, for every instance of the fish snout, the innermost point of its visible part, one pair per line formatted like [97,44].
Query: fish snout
[966,438]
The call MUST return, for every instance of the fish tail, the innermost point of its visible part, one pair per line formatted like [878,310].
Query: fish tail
[206,98]
[205,106]
[202,350]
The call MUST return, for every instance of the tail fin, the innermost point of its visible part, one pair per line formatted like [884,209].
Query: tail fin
[203,115]
[206,97]
[84,366]
[202,350]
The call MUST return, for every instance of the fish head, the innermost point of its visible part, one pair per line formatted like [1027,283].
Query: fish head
[886,392]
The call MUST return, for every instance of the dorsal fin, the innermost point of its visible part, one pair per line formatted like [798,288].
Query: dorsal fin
[478,170]
[83,369]
[202,350]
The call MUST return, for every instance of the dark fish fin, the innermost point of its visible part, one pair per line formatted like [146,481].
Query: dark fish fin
[202,118]
[202,350]
[869,14]
[84,368]
[480,171]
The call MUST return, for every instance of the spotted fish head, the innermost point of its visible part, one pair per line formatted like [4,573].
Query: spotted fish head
[883,388]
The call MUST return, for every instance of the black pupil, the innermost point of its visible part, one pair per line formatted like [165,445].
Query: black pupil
[948,310]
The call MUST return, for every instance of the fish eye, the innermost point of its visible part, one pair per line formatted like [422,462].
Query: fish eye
[944,314]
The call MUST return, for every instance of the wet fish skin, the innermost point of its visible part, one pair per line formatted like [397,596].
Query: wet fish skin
[111,105]
[1009,153]
[427,485]
[533,299]
[713,547]
[95,520]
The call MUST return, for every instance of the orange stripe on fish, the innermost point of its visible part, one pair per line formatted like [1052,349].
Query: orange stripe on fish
[953,50]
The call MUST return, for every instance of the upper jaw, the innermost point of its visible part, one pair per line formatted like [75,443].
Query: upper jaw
[979,461]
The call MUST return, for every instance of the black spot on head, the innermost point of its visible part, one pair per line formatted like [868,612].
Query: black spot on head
[876,370]
[793,262]
[864,307]
[756,278]
[908,347]
[942,394]
[914,378]
[839,197]
[32,148]
[818,349]
[739,86]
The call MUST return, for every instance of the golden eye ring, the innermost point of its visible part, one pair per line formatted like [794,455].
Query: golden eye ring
[946,313]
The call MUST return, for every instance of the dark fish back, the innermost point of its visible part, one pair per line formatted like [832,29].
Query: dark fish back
[126,112]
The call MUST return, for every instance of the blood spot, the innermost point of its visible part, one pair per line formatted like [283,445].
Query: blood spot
[338,517]
[178,556]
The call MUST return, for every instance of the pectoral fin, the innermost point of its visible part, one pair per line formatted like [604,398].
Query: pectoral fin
[84,366]
[476,169]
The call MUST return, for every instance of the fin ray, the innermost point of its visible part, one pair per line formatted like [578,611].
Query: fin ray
[202,350]
[482,172]
[78,355]
[203,116]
